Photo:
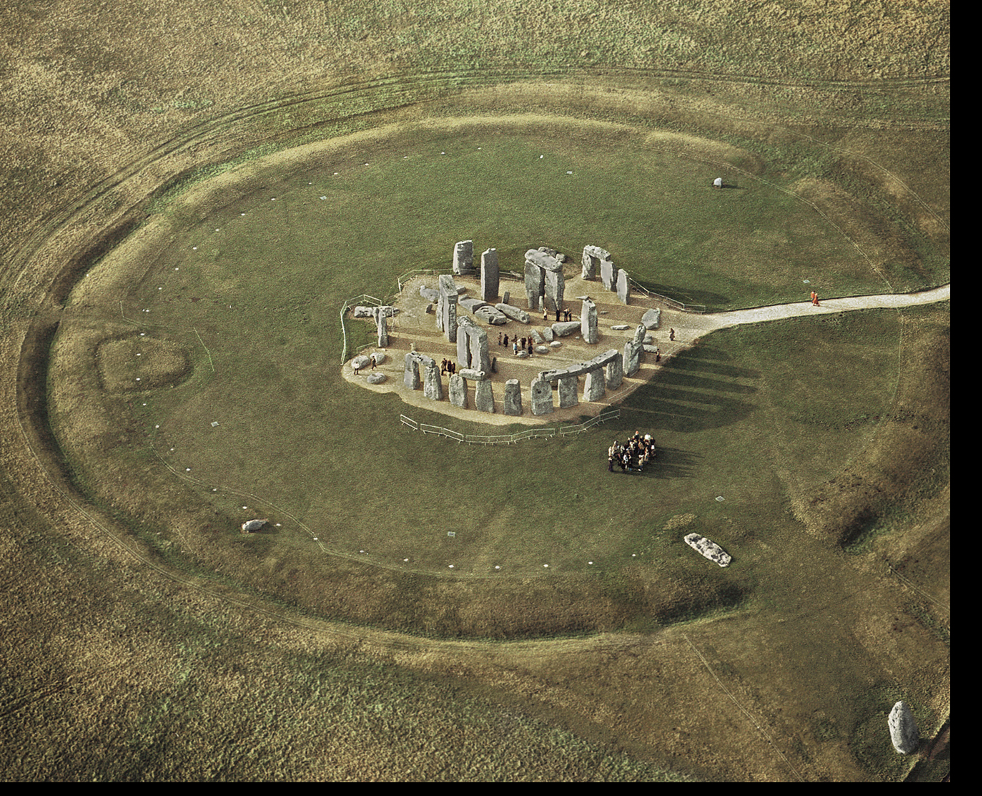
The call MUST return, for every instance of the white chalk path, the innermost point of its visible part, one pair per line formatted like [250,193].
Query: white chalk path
[723,320]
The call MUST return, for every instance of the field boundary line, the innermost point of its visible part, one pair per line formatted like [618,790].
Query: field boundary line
[742,709]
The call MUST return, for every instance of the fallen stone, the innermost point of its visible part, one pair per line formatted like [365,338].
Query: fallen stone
[542,349]
[709,549]
[471,304]
[651,319]
[564,328]
[513,312]
[620,327]
[903,729]
[253,525]
[376,377]
[548,335]
[429,293]
[491,315]
[370,312]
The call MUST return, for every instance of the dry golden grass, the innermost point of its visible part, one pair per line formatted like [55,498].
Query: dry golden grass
[116,665]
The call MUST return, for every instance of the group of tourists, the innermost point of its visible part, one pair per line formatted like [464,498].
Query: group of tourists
[525,344]
[633,455]
[447,366]
[567,315]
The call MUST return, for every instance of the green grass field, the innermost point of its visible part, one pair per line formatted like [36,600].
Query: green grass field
[262,423]
[152,287]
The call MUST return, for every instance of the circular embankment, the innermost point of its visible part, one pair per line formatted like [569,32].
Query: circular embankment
[233,463]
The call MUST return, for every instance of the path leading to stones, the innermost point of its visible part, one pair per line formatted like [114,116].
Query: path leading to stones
[415,326]
[723,320]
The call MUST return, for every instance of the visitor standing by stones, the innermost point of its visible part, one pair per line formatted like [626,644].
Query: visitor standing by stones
[514,347]
[530,347]
[671,335]
[499,338]
[506,341]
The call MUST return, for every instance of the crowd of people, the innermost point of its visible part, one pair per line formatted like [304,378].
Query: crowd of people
[633,455]
[525,344]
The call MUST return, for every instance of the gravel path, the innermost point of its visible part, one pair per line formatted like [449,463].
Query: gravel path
[722,320]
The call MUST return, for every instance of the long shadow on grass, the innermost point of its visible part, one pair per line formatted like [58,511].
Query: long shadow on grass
[686,295]
[669,463]
[697,390]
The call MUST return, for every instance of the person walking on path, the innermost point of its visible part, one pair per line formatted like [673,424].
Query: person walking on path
[815,299]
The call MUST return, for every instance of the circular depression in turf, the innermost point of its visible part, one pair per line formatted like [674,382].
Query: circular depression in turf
[214,343]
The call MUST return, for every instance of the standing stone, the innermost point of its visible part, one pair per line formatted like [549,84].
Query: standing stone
[615,372]
[588,322]
[623,287]
[903,729]
[463,344]
[381,328]
[447,309]
[489,275]
[477,348]
[534,284]
[472,345]
[541,396]
[410,375]
[483,396]
[463,257]
[555,286]
[513,397]
[608,274]
[567,392]
[432,386]
[592,256]
[632,357]
[458,390]
[594,386]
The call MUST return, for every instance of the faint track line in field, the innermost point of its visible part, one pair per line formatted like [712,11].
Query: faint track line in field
[743,710]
